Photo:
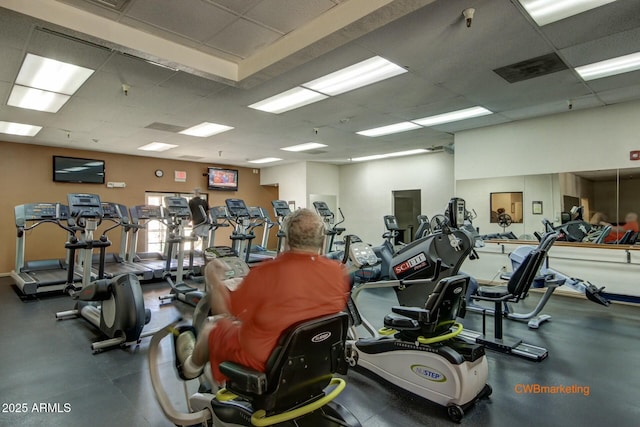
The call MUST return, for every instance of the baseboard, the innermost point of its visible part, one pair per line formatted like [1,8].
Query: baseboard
[5,274]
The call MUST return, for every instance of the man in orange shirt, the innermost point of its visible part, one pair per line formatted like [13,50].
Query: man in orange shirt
[298,285]
[616,233]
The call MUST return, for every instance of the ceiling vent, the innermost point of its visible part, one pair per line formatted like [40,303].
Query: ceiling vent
[531,68]
[111,4]
[314,152]
[190,157]
[165,127]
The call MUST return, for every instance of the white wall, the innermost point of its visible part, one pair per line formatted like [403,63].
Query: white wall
[291,181]
[366,189]
[593,139]
[323,179]
[476,192]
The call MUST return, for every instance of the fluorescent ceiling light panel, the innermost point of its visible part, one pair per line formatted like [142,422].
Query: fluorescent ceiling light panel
[36,99]
[206,129]
[265,160]
[355,76]
[289,100]
[304,147]
[157,146]
[388,130]
[547,11]
[19,129]
[51,75]
[453,116]
[388,155]
[610,67]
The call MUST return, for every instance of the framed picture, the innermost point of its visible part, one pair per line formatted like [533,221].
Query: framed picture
[536,208]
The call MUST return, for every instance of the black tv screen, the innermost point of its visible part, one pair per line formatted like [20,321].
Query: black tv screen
[73,169]
[223,179]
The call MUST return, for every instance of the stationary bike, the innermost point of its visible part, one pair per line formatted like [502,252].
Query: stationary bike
[291,392]
[418,350]
[115,306]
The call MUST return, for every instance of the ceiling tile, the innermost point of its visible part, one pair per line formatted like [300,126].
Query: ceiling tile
[192,84]
[57,46]
[298,12]
[11,62]
[14,29]
[623,94]
[594,24]
[242,38]
[237,6]
[618,44]
[195,19]
[136,72]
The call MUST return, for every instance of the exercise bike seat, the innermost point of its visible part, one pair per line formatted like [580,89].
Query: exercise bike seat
[493,291]
[416,313]
[400,322]
[246,379]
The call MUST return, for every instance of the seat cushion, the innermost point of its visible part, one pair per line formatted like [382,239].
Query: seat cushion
[493,291]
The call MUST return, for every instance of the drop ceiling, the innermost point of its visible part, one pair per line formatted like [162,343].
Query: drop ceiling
[237,52]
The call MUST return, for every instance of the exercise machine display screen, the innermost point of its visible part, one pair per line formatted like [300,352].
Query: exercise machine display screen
[219,212]
[281,208]
[146,212]
[235,266]
[322,209]
[110,210]
[237,208]
[85,205]
[391,223]
[254,212]
[177,206]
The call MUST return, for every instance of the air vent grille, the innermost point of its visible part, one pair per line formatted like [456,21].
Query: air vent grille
[190,157]
[531,68]
[166,127]
[111,4]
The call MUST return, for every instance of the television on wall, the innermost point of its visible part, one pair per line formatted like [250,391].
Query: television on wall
[222,179]
[74,169]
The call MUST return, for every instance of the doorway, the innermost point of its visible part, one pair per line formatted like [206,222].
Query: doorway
[407,205]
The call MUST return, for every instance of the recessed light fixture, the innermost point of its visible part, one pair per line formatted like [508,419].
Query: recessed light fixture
[363,73]
[19,129]
[304,147]
[453,116]
[547,11]
[51,75]
[205,129]
[36,99]
[610,67]
[388,155]
[289,100]
[265,160]
[388,130]
[157,146]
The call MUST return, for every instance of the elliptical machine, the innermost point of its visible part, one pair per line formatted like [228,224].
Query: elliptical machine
[114,306]
[331,226]
[281,210]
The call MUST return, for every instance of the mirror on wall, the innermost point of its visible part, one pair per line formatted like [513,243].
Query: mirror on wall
[507,205]
[606,197]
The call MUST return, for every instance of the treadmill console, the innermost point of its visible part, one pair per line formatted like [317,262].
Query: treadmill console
[177,207]
[219,213]
[236,267]
[322,209]
[391,223]
[254,212]
[237,208]
[146,212]
[83,205]
[281,208]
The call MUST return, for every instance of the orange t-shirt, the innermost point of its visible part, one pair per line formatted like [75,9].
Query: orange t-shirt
[276,294]
[617,235]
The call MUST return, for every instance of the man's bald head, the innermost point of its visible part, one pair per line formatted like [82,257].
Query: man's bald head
[304,230]
[631,217]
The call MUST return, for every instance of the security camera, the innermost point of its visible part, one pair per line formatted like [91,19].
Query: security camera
[570,104]
[125,89]
[468,15]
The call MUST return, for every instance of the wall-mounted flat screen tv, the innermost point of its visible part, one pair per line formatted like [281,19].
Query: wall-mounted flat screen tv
[74,169]
[223,179]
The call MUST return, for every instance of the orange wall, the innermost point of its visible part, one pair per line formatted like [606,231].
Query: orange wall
[26,177]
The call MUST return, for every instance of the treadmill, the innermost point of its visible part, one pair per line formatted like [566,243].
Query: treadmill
[33,277]
[142,215]
[262,219]
[177,215]
[116,263]
[242,234]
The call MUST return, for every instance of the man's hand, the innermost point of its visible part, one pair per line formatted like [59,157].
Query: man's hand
[216,268]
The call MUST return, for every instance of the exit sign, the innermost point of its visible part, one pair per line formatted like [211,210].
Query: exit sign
[180,176]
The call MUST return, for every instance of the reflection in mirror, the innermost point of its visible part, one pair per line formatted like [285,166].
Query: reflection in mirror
[506,205]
